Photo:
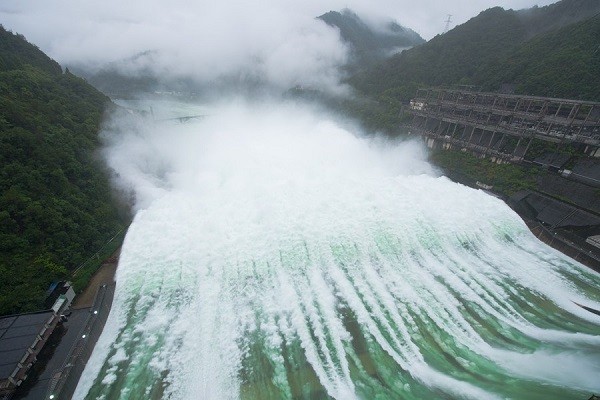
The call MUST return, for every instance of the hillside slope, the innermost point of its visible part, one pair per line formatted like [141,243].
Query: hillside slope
[561,63]
[369,45]
[528,48]
[55,203]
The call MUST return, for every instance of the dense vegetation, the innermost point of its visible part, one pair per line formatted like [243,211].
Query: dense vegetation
[368,45]
[562,63]
[506,179]
[548,51]
[110,80]
[450,58]
[56,207]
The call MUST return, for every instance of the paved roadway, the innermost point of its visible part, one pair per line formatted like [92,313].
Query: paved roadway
[67,376]
[73,327]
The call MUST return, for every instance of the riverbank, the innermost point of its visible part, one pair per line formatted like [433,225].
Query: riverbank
[506,181]
[563,244]
[105,275]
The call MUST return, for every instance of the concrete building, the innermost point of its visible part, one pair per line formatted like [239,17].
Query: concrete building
[504,126]
[23,336]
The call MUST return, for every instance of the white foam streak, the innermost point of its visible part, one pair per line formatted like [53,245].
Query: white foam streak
[272,248]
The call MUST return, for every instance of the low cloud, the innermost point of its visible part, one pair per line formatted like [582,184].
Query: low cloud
[255,145]
[175,40]
[276,41]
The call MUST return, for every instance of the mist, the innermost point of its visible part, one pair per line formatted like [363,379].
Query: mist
[263,144]
[279,252]
[279,43]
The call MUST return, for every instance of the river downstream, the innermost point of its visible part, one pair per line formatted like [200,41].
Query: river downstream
[276,254]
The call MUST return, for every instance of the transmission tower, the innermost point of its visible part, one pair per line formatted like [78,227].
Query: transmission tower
[448,23]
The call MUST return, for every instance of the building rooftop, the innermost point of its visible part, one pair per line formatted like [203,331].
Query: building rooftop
[17,333]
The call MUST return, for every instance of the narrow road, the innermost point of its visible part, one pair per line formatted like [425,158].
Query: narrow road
[66,378]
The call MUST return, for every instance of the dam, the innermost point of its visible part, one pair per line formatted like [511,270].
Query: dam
[504,126]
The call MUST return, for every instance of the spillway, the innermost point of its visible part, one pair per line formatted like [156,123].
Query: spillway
[275,255]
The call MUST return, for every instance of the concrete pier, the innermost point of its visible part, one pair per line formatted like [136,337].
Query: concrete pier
[501,125]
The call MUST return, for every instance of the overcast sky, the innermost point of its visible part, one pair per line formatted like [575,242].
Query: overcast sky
[206,39]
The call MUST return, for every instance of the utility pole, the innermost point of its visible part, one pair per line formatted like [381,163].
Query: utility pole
[448,20]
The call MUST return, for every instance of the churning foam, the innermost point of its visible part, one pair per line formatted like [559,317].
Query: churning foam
[274,254]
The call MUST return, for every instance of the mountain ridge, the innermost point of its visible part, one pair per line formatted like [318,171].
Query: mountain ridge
[368,44]
[533,50]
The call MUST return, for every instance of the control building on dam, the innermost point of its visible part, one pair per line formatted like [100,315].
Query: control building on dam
[504,126]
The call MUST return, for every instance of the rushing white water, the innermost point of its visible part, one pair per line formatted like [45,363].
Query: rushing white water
[276,255]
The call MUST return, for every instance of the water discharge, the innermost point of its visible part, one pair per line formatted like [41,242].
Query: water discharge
[275,255]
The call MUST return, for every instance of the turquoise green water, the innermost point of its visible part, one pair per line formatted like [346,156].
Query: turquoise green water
[271,281]
[432,316]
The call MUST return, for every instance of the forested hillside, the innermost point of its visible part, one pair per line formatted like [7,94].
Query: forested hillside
[56,207]
[562,63]
[451,58]
[367,44]
[552,50]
